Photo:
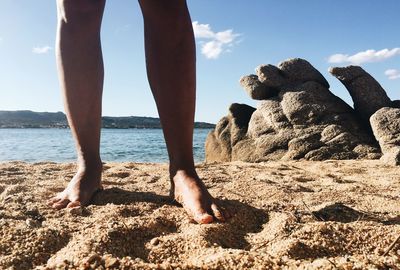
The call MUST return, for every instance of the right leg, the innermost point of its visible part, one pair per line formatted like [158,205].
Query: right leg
[80,69]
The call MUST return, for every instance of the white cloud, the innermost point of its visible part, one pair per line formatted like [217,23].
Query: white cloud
[202,30]
[364,57]
[41,50]
[218,42]
[212,49]
[392,74]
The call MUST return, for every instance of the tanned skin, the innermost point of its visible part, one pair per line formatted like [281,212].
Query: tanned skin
[170,60]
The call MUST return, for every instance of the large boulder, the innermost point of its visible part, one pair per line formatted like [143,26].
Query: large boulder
[385,124]
[367,94]
[302,120]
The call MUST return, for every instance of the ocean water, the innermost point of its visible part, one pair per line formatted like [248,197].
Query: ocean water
[136,145]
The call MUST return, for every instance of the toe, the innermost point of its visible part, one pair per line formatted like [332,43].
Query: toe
[74,204]
[54,200]
[203,218]
[218,213]
[198,215]
[61,204]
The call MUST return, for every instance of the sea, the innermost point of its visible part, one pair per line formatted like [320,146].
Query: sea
[117,145]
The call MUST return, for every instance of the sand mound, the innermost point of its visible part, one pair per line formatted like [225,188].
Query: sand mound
[297,214]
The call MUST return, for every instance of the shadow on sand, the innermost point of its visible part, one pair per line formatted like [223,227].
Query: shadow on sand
[342,213]
[245,219]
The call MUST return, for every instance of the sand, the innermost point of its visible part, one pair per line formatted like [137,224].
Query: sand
[287,215]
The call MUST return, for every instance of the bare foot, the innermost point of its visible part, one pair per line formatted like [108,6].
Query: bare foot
[188,190]
[80,189]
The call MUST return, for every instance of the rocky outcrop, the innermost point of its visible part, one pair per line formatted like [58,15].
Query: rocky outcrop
[367,94]
[385,124]
[297,118]
[300,118]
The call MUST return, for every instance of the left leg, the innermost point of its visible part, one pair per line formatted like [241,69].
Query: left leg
[170,59]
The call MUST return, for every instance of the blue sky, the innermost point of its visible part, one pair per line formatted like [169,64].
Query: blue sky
[233,37]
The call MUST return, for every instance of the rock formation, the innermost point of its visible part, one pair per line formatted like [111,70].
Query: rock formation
[367,94]
[299,118]
[386,126]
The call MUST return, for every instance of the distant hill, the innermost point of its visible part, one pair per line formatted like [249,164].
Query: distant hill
[29,119]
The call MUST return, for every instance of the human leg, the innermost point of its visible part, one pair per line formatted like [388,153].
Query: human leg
[80,69]
[170,59]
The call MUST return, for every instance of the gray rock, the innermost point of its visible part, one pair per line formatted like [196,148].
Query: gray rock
[347,74]
[268,118]
[304,121]
[365,151]
[306,103]
[367,94]
[385,124]
[271,76]
[256,89]
[330,132]
[299,70]
[244,150]
[321,153]
[299,147]
[273,146]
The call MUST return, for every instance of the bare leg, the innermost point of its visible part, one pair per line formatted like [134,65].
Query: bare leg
[170,58]
[80,67]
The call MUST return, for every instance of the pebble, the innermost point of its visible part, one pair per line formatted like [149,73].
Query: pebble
[111,262]
[154,241]
[76,211]
[32,210]
[93,257]
[32,223]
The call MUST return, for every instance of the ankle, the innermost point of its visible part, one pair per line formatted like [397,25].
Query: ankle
[181,165]
[184,177]
[182,170]
[92,164]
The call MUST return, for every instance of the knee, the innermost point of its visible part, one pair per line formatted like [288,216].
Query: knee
[80,11]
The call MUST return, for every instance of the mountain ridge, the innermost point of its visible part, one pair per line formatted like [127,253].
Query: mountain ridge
[31,119]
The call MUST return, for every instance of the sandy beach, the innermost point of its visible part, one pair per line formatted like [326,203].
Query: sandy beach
[287,215]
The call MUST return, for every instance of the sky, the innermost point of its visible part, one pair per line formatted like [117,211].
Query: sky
[232,39]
